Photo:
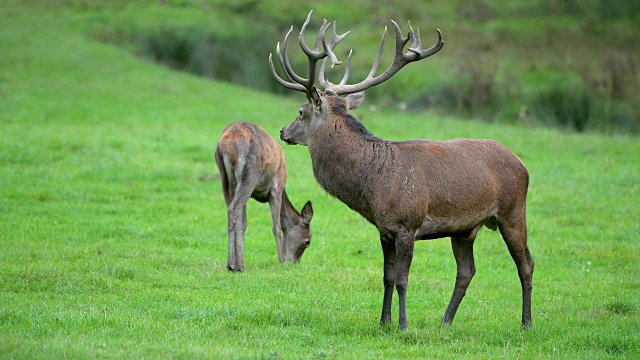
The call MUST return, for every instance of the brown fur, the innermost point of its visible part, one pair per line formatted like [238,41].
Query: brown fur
[418,189]
[252,164]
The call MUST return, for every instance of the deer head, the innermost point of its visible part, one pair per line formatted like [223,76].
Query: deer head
[318,108]
[296,231]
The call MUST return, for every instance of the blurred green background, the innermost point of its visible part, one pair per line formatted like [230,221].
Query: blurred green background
[564,63]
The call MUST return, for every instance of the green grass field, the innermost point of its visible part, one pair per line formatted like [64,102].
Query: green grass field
[113,227]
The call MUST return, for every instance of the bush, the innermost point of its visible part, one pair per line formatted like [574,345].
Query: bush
[239,58]
[567,107]
[574,107]
[472,90]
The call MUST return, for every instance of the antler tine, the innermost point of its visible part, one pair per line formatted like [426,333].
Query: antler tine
[319,37]
[323,82]
[347,69]
[401,41]
[376,61]
[335,39]
[281,61]
[430,51]
[401,59]
[415,38]
[283,57]
[315,54]
[326,84]
[287,84]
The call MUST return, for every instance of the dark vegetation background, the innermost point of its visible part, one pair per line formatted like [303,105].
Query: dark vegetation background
[564,63]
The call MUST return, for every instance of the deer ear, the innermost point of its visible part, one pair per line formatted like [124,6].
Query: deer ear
[307,213]
[355,100]
[314,98]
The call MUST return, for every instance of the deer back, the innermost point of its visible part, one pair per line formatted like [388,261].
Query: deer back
[246,145]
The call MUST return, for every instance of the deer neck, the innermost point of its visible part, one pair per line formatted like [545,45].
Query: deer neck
[288,214]
[345,159]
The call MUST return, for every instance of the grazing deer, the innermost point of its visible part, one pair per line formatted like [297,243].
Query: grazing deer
[409,190]
[252,164]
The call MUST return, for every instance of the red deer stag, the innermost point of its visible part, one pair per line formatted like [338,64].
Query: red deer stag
[252,164]
[409,190]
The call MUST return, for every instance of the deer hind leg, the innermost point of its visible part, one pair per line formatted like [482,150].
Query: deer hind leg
[514,233]
[389,252]
[463,253]
[237,225]
[227,178]
[237,217]
[227,187]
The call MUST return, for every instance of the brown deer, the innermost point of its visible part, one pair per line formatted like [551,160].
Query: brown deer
[409,190]
[252,164]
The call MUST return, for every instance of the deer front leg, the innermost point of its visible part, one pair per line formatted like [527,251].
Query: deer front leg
[275,204]
[389,252]
[404,255]
[241,229]
[231,228]
[463,253]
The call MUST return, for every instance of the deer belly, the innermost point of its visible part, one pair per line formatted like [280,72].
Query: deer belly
[262,191]
[436,228]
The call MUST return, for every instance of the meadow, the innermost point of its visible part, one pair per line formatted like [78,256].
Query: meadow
[113,226]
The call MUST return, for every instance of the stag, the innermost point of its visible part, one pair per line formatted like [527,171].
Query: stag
[409,190]
[251,164]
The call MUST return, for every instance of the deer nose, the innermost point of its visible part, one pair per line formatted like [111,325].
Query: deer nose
[307,242]
[283,137]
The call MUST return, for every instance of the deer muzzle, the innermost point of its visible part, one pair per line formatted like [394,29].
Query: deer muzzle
[286,138]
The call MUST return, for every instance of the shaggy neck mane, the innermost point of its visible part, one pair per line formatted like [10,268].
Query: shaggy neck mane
[339,108]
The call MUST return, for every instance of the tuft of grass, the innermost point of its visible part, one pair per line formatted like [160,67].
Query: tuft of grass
[620,307]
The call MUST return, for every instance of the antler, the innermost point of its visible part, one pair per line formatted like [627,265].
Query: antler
[296,82]
[414,53]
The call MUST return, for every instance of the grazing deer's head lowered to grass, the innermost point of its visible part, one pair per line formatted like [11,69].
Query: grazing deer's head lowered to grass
[410,190]
[251,164]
